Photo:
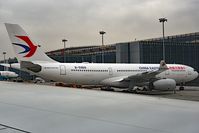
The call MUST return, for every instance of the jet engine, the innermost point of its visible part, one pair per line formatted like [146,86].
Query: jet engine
[164,84]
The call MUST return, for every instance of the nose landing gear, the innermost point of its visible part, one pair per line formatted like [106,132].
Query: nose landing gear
[181,88]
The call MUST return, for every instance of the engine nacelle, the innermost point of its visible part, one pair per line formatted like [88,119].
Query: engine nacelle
[8,74]
[164,84]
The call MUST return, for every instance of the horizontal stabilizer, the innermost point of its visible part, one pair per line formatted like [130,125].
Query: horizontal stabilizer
[30,66]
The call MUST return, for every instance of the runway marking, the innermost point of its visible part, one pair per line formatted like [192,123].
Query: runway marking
[12,128]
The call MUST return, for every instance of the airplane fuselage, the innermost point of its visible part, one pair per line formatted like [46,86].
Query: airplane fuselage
[94,74]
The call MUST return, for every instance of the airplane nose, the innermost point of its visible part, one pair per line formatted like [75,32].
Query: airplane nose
[196,74]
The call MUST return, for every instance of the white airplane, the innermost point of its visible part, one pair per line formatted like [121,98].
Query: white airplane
[131,76]
[8,74]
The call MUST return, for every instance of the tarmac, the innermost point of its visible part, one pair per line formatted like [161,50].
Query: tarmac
[36,108]
[190,93]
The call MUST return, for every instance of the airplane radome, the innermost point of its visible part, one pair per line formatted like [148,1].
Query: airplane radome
[132,76]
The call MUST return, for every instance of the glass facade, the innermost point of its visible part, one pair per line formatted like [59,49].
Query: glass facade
[179,49]
[179,53]
[123,53]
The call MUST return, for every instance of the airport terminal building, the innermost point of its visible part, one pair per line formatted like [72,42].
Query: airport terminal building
[183,49]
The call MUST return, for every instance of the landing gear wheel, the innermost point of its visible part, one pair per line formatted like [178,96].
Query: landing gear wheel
[107,88]
[144,89]
[181,88]
[132,91]
[135,90]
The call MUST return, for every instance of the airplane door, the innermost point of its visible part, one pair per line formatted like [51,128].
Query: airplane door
[62,70]
[110,71]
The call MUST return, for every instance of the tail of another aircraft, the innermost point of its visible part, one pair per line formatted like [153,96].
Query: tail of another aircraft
[24,48]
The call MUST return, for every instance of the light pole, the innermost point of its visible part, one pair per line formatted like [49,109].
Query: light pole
[64,41]
[4,57]
[102,33]
[162,20]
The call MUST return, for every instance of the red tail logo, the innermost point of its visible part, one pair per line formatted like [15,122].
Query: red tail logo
[30,49]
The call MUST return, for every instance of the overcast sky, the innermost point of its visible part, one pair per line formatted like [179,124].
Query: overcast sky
[79,21]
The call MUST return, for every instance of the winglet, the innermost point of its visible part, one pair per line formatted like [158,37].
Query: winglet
[163,65]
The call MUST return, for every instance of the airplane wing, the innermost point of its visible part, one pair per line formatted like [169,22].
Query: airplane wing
[138,79]
[146,76]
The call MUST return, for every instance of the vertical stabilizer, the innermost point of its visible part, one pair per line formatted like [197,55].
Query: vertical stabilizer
[24,48]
